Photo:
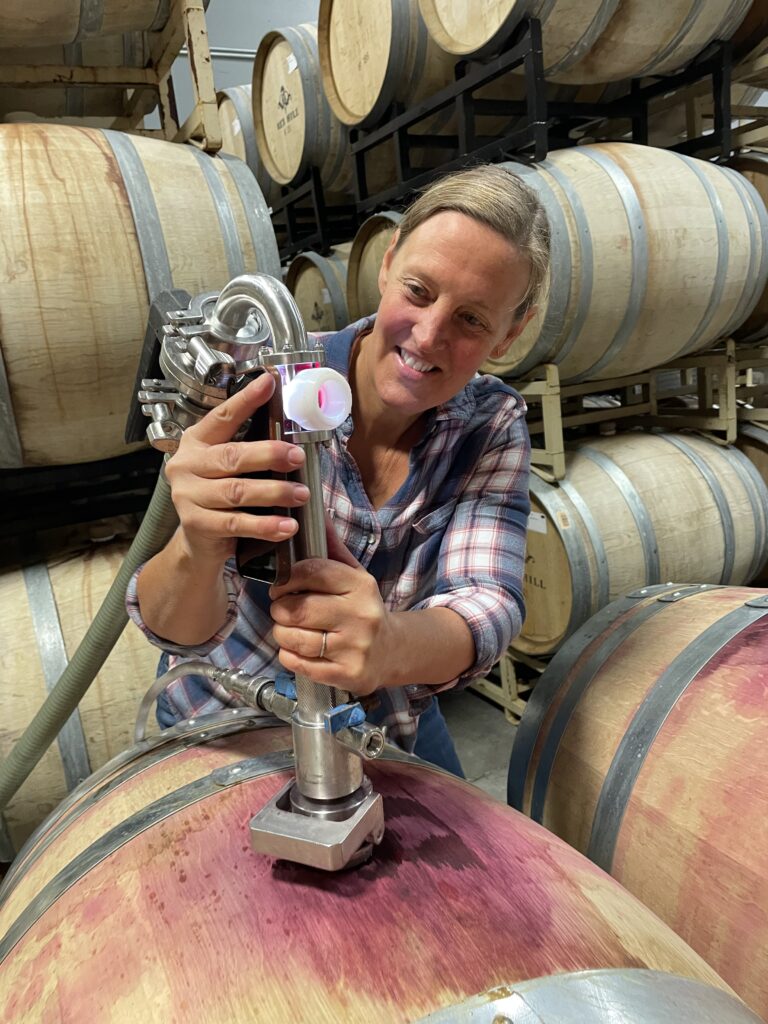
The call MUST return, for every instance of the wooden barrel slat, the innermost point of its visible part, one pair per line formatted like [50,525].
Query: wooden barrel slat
[319,285]
[164,858]
[75,102]
[239,137]
[376,54]
[38,637]
[635,510]
[623,248]
[368,248]
[295,127]
[646,748]
[72,328]
[60,22]
[754,167]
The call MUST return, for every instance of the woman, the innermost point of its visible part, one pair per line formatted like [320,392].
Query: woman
[426,484]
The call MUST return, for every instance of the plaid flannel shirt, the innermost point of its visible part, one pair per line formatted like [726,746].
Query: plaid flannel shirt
[453,536]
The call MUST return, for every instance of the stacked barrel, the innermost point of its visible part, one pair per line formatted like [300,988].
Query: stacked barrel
[622,254]
[97,224]
[70,33]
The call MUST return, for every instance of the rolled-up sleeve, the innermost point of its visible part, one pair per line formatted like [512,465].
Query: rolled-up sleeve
[482,553]
[234,584]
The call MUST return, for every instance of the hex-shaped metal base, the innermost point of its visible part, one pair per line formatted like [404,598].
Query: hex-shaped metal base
[316,841]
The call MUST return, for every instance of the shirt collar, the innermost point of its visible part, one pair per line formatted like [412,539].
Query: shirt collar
[338,354]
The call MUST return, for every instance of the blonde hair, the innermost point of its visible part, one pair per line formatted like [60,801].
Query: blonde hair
[493,195]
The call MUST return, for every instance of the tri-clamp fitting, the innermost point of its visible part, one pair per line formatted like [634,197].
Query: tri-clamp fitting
[323,832]
[328,816]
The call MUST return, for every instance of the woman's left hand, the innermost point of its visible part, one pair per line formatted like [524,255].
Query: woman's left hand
[331,624]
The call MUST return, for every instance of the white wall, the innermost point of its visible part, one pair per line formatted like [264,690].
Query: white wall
[237,25]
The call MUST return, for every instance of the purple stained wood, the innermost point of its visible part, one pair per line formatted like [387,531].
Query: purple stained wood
[186,923]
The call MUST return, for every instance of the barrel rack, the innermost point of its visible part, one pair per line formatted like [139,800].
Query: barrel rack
[536,125]
[750,127]
[510,683]
[713,392]
[49,497]
[303,219]
[185,27]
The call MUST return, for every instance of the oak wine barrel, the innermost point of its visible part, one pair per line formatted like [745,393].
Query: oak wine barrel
[751,38]
[239,138]
[72,101]
[645,745]
[654,37]
[319,285]
[485,29]
[754,167]
[752,441]
[593,41]
[635,510]
[60,22]
[623,249]
[368,248]
[143,894]
[375,54]
[95,224]
[47,610]
[295,127]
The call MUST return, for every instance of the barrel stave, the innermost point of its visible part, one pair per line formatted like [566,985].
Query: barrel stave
[645,748]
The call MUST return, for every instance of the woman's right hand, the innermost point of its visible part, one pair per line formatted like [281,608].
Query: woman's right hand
[208,487]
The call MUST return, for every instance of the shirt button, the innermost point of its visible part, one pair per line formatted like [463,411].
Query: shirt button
[371,538]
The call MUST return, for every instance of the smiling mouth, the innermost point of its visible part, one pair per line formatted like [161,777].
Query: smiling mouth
[415,364]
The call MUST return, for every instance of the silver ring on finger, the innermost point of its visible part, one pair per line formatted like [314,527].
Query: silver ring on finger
[323,646]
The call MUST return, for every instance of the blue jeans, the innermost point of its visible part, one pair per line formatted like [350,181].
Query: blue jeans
[434,743]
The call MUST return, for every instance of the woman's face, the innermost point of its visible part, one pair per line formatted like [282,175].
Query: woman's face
[448,299]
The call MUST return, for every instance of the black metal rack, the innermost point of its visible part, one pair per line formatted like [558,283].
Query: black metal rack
[47,497]
[536,125]
[527,139]
[303,219]
[714,63]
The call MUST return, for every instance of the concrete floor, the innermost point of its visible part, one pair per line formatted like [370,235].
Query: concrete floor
[483,738]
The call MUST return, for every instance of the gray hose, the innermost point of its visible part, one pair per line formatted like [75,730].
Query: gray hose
[156,528]
[224,676]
